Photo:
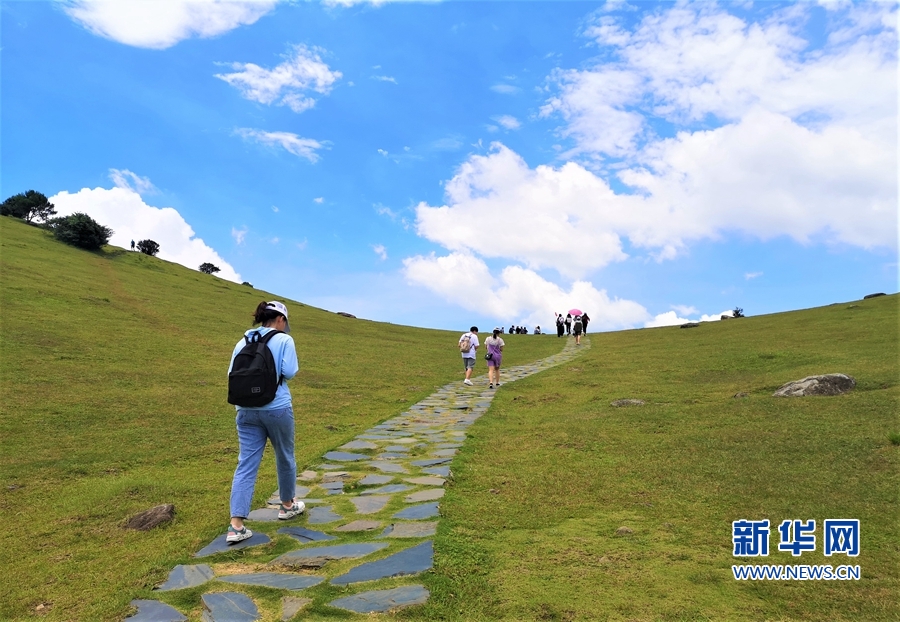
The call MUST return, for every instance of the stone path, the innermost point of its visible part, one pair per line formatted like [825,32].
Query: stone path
[369,500]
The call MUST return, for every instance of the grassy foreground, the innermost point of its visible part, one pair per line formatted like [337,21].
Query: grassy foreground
[553,471]
[113,400]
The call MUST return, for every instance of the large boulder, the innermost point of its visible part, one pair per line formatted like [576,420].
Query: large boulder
[827,384]
[874,295]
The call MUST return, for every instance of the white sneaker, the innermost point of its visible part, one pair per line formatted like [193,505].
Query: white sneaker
[468,382]
[237,535]
[285,513]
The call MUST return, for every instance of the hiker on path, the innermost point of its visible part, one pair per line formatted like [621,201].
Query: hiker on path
[494,357]
[560,325]
[584,320]
[568,323]
[273,421]
[132,245]
[469,339]
[577,327]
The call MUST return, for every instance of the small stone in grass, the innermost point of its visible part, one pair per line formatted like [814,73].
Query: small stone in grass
[624,531]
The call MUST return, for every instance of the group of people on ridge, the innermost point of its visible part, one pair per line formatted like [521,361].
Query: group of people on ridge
[572,325]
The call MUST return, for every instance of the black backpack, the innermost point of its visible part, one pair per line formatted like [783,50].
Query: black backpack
[254,379]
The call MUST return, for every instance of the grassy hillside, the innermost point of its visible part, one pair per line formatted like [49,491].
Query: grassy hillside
[113,400]
[548,477]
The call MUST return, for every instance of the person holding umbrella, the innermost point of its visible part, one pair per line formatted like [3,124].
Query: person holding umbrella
[577,325]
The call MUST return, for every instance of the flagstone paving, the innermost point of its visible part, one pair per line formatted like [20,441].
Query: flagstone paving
[418,445]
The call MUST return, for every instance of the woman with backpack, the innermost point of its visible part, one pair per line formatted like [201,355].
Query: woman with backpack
[494,357]
[262,360]
[577,327]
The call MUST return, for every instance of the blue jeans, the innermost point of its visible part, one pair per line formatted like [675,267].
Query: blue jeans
[254,427]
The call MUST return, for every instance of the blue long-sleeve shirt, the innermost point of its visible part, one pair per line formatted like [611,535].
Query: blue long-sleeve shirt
[285,354]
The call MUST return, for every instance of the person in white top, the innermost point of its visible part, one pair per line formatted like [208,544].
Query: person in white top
[468,354]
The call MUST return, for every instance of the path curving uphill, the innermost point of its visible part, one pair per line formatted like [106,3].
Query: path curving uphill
[374,500]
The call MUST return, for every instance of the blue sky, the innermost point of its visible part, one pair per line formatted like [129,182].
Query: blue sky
[444,164]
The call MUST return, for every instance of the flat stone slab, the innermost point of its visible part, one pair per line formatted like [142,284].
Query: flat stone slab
[336,476]
[444,453]
[387,467]
[390,456]
[331,467]
[338,485]
[308,476]
[291,606]
[306,535]
[425,495]
[155,611]
[410,561]
[360,525]
[397,448]
[322,515]
[375,480]
[183,577]
[428,463]
[274,579]
[405,440]
[228,607]
[443,471]
[319,556]
[410,530]
[359,445]
[383,600]
[299,493]
[426,481]
[370,504]
[219,545]
[344,456]
[387,489]
[418,512]
[264,515]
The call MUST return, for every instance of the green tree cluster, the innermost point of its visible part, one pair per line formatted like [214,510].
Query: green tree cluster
[28,206]
[80,230]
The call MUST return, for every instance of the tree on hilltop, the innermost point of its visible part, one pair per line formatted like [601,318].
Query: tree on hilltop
[208,268]
[148,247]
[80,230]
[28,206]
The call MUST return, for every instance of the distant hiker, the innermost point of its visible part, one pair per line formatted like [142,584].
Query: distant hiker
[494,356]
[132,245]
[262,360]
[577,327]
[537,330]
[468,345]
[568,323]
[524,330]
[584,320]
[560,325]
[501,330]
[511,329]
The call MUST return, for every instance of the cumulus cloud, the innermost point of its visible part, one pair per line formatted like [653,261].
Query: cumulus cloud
[124,211]
[319,200]
[239,235]
[131,181]
[289,84]
[380,250]
[159,25]
[296,145]
[518,294]
[669,318]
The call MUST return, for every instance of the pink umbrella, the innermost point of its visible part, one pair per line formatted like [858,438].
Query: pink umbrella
[575,312]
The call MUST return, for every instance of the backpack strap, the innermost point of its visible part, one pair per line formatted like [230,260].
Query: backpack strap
[265,341]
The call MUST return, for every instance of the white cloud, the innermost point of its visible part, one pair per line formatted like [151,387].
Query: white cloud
[385,79]
[302,245]
[125,212]
[131,181]
[380,250]
[239,235]
[383,152]
[716,316]
[685,309]
[349,3]
[159,25]
[450,143]
[519,294]
[296,145]
[288,84]
[275,208]
[506,89]
[508,121]
[319,200]
[669,318]
[752,275]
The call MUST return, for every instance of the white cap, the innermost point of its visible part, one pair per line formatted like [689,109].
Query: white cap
[279,306]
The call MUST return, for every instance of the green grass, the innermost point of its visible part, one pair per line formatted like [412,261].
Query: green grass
[553,470]
[113,400]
